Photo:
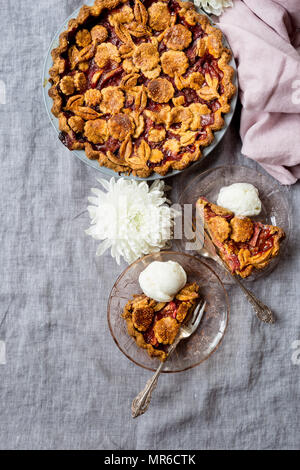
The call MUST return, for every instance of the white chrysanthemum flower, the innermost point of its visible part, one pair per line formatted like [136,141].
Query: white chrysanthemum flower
[215,7]
[131,218]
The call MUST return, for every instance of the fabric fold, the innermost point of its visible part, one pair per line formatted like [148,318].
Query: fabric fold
[265,37]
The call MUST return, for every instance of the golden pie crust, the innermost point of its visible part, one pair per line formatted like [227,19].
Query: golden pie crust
[155,72]
[120,126]
[166,330]
[96,131]
[159,16]
[160,90]
[155,325]
[242,243]
[178,37]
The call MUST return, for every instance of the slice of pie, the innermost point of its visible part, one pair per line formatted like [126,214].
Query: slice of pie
[155,325]
[141,86]
[242,243]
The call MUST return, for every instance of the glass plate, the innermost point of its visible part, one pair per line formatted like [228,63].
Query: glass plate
[202,343]
[93,163]
[274,198]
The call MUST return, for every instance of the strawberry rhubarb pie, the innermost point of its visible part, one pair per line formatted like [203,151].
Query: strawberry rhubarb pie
[155,323]
[140,85]
[242,243]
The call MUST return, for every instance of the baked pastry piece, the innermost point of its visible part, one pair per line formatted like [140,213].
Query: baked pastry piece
[242,243]
[140,86]
[155,325]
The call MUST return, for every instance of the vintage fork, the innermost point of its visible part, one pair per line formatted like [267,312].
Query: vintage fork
[208,250]
[142,401]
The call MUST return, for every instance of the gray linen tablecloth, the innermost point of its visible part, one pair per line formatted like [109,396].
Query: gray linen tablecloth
[65,384]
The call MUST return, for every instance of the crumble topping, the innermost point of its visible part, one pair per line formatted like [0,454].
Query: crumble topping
[86,113]
[166,330]
[99,34]
[174,62]
[112,100]
[96,131]
[159,16]
[242,229]
[142,318]
[160,90]
[120,126]
[156,135]
[106,52]
[83,38]
[178,37]
[146,56]
[76,124]
[220,227]
[67,85]
[92,97]
[80,81]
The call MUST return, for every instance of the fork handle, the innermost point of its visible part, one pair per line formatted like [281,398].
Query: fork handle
[142,401]
[263,312]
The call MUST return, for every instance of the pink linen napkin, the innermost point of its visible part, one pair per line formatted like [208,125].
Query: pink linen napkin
[265,38]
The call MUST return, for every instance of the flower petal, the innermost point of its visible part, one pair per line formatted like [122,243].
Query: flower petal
[103,247]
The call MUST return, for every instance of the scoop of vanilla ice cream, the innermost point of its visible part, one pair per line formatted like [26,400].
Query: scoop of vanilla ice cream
[240,198]
[161,281]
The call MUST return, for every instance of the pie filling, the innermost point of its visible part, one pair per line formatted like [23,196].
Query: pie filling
[155,325]
[243,244]
[142,85]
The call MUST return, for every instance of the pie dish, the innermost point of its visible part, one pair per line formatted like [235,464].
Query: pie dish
[242,243]
[141,87]
[155,325]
